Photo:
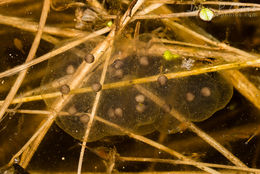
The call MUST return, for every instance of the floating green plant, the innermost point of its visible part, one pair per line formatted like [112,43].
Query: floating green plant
[167,55]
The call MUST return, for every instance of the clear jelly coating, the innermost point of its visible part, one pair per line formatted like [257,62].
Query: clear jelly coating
[195,97]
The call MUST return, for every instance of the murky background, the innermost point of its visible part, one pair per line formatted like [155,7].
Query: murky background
[209,99]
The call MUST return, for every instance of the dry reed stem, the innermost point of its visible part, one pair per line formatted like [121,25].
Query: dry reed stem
[150,172]
[231,135]
[60,102]
[182,28]
[29,151]
[27,25]
[154,144]
[148,79]
[4,2]
[125,19]
[174,162]
[191,126]
[66,6]
[149,9]
[97,6]
[76,80]
[245,87]
[186,44]
[247,56]
[220,45]
[195,13]
[187,14]
[227,3]
[55,52]
[32,52]
[94,109]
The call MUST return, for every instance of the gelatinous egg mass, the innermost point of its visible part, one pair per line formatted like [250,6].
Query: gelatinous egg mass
[198,97]
[195,97]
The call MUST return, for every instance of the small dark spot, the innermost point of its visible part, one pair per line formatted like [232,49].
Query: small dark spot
[118,112]
[144,61]
[65,89]
[96,87]
[72,110]
[162,80]
[118,64]
[139,98]
[89,58]
[140,108]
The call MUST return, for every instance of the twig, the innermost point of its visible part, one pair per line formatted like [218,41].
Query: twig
[227,3]
[4,2]
[94,109]
[148,79]
[188,14]
[149,8]
[97,6]
[60,102]
[191,126]
[54,52]
[27,25]
[245,87]
[174,162]
[186,44]
[154,144]
[66,6]
[32,52]
[77,78]
[212,41]
[231,135]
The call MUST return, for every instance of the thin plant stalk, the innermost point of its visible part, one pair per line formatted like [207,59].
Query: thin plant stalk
[191,126]
[149,79]
[55,52]
[93,111]
[32,52]
[174,162]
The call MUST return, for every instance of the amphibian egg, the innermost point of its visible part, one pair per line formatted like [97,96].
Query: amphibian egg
[195,97]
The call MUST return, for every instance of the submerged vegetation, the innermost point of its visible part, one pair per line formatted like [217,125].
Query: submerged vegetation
[129,86]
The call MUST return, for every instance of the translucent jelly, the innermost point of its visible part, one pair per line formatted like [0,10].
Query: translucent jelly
[195,97]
